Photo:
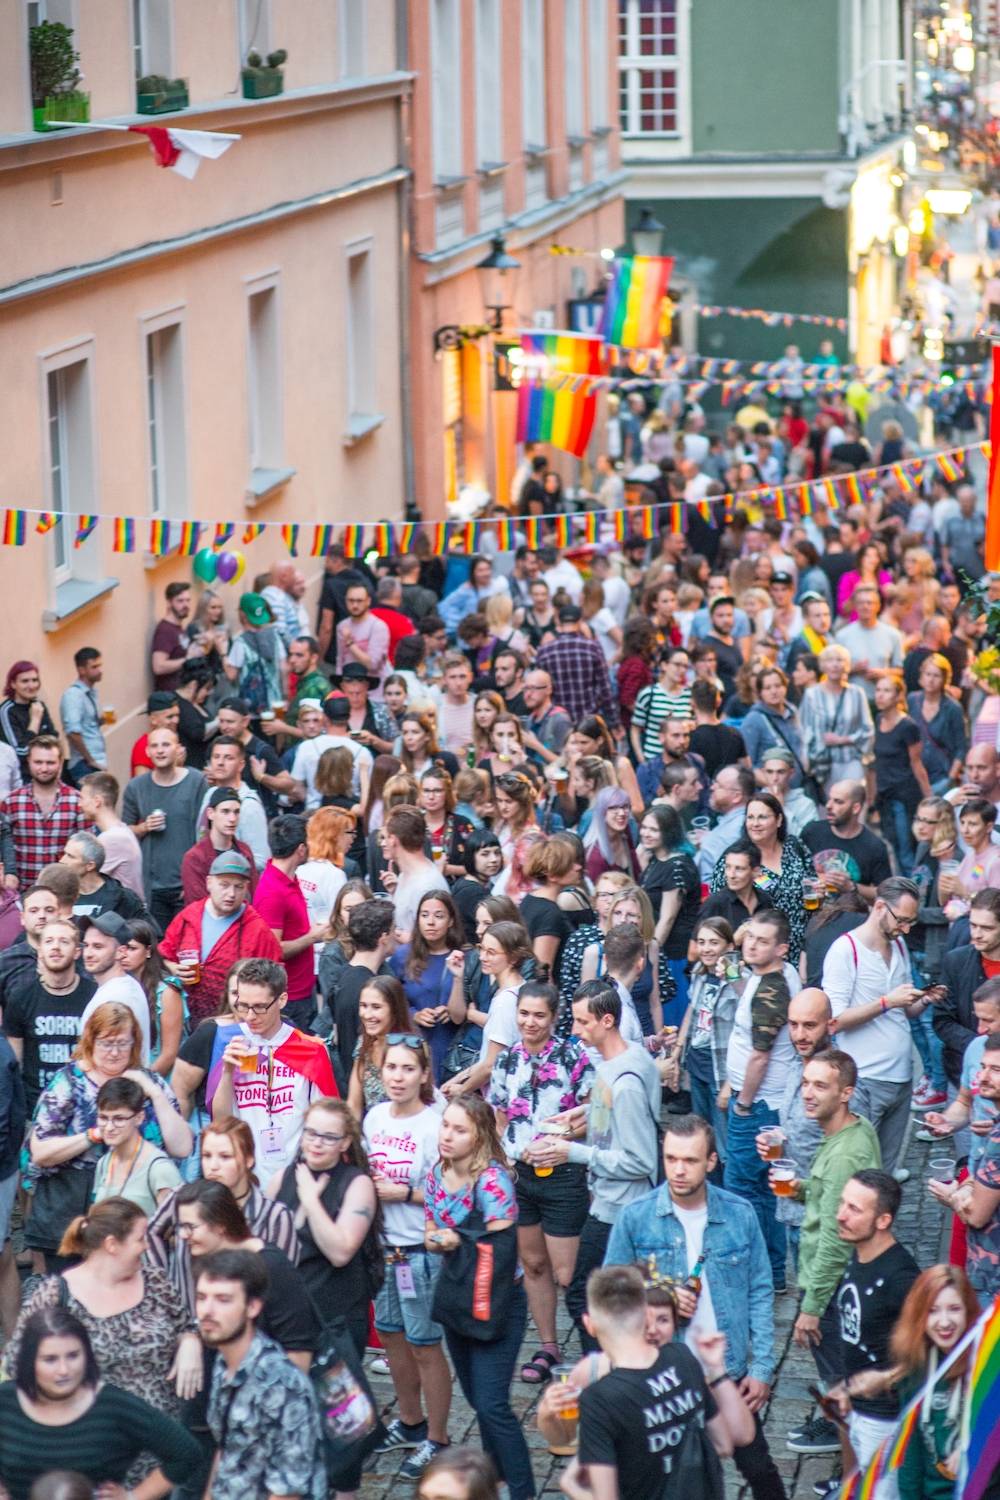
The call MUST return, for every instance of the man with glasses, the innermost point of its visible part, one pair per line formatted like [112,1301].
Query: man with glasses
[546,727]
[731,790]
[264,1071]
[868,978]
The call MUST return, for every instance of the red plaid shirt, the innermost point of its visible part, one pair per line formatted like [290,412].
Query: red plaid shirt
[40,838]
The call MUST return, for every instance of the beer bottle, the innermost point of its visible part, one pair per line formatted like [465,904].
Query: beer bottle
[692,1282]
[470,757]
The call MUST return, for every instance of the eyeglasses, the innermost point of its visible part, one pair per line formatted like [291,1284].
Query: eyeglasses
[185,1231]
[404,1039]
[115,1120]
[239,1009]
[113,1044]
[903,923]
[308,1134]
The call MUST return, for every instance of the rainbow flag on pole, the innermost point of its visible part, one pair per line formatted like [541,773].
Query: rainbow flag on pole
[123,534]
[14,528]
[980,1445]
[633,305]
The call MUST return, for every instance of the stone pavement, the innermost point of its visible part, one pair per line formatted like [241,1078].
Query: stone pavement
[920,1226]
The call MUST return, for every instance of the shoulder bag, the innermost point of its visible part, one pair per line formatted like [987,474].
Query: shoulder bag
[476,1284]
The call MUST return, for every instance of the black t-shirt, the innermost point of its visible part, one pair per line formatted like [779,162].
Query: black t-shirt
[893,770]
[196,1049]
[48,1026]
[869,1300]
[718,745]
[288,1316]
[729,906]
[344,1005]
[729,658]
[467,895]
[868,855]
[272,767]
[634,1421]
[543,918]
[191,733]
[678,873]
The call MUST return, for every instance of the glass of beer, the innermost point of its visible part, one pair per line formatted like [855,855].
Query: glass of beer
[541,1171]
[108,715]
[561,1375]
[812,894]
[772,1139]
[783,1178]
[248,1062]
[190,959]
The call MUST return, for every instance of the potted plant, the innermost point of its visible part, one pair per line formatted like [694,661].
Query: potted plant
[262,80]
[55,75]
[156,95]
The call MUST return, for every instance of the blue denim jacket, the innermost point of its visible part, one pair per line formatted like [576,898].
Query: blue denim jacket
[736,1264]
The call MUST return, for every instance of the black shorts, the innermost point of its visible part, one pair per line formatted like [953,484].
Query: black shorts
[559,1203]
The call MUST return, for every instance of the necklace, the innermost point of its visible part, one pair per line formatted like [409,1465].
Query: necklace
[111,1166]
[61,989]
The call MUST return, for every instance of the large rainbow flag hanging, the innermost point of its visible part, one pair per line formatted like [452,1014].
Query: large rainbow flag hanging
[992,548]
[556,404]
[981,1418]
[633,306]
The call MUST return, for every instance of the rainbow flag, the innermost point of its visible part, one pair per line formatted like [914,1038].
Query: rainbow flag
[992,545]
[897,1445]
[633,305]
[159,538]
[438,533]
[46,520]
[224,531]
[949,469]
[780,504]
[190,538]
[533,532]
[123,534]
[252,532]
[14,528]
[648,521]
[354,540]
[322,537]
[383,539]
[855,491]
[470,537]
[831,494]
[704,510]
[505,535]
[901,477]
[981,1418]
[561,413]
[406,533]
[84,526]
[290,537]
[591,526]
[549,354]
[620,523]
[560,527]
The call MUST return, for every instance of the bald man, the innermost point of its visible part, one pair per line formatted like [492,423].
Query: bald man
[284,595]
[981,777]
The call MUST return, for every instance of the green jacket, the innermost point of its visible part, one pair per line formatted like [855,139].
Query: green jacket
[823,1255]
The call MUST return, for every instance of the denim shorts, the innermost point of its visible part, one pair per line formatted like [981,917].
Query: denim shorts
[559,1203]
[410,1315]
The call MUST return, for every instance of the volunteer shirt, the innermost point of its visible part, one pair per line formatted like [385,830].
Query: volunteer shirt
[869,1300]
[403,1150]
[761,1025]
[693,1221]
[48,1027]
[634,1421]
[854,974]
[273,1100]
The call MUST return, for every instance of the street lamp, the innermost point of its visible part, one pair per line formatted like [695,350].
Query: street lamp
[647,236]
[497,272]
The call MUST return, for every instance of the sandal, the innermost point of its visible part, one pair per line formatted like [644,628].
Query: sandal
[538,1370]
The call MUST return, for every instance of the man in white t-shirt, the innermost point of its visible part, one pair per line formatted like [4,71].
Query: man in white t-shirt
[337,737]
[758,1060]
[409,874]
[105,939]
[874,647]
[868,978]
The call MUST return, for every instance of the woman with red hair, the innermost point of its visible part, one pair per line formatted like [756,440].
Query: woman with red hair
[23,715]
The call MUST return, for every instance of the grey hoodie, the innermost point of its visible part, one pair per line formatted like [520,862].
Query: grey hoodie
[622,1132]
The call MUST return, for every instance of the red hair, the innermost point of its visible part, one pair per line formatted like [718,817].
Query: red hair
[910,1344]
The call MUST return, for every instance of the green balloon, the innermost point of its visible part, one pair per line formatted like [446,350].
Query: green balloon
[205,564]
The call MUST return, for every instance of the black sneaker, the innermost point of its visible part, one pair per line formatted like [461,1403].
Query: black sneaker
[414,1466]
[818,1435]
[399,1435]
[827,1487]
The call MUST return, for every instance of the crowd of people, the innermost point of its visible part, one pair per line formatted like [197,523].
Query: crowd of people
[545,928]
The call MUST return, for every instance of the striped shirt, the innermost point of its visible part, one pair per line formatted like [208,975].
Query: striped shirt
[653,705]
[272,1222]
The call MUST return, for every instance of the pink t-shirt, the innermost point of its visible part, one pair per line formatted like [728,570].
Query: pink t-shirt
[455,721]
[123,857]
[282,905]
[977,871]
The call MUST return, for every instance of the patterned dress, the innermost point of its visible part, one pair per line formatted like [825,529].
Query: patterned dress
[784,888]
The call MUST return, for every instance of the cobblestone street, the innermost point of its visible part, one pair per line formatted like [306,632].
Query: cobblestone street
[920,1226]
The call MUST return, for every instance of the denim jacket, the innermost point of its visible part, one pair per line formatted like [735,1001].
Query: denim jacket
[736,1265]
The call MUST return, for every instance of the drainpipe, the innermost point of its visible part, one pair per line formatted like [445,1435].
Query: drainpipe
[405,242]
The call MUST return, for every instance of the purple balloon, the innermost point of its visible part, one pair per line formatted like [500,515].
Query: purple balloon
[227,566]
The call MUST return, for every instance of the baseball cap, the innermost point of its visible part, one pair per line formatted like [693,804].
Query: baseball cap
[778,752]
[570,614]
[783,578]
[337,709]
[111,924]
[230,862]
[160,700]
[811,596]
[223,794]
[256,609]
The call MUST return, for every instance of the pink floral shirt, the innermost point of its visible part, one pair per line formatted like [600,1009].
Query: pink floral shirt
[531,1087]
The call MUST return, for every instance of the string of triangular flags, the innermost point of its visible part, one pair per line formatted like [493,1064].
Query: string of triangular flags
[685,367]
[159,538]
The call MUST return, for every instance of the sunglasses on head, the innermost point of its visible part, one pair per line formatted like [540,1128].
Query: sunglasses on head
[405,1039]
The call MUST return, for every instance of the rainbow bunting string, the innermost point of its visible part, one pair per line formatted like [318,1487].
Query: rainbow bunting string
[290,537]
[252,532]
[505,535]
[981,1419]
[591,526]
[14,528]
[406,534]
[224,531]
[439,538]
[46,521]
[620,520]
[633,305]
[84,526]
[533,532]
[159,538]
[123,534]
[561,529]
[322,537]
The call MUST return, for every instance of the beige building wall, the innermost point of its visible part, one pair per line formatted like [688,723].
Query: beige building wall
[269,284]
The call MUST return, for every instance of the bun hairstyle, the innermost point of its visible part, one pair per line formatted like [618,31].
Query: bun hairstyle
[113,1218]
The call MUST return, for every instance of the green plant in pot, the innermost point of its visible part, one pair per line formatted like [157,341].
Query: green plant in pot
[262,79]
[55,75]
[157,95]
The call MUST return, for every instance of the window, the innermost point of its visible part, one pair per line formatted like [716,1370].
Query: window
[489,141]
[151,40]
[51,10]
[264,379]
[69,452]
[647,67]
[253,26]
[352,39]
[446,98]
[361,401]
[574,68]
[597,58]
[165,421]
[533,73]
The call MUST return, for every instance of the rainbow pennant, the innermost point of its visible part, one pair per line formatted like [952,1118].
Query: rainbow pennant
[633,306]
[84,526]
[620,523]
[14,528]
[560,527]
[123,534]
[46,520]
[438,533]
[159,538]
[561,413]
[831,494]
[407,532]
[190,538]
[532,532]
[855,491]
[290,537]
[648,521]
[805,500]
[470,536]
[354,541]
[902,478]
[505,535]
[322,537]
[224,530]
[252,532]
[948,469]
[900,1441]
[591,526]
[981,1420]
[704,510]
[780,504]
[383,539]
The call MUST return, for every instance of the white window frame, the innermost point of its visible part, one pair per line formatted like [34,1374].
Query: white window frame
[166,432]
[573,55]
[253,28]
[597,63]
[446,88]
[489,99]
[360,343]
[152,30]
[533,91]
[77,491]
[632,63]
[51,10]
[261,457]
[352,39]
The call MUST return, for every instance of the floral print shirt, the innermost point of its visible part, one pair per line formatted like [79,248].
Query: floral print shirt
[532,1086]
[266,1425]
[493,1194]
[69,1106]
